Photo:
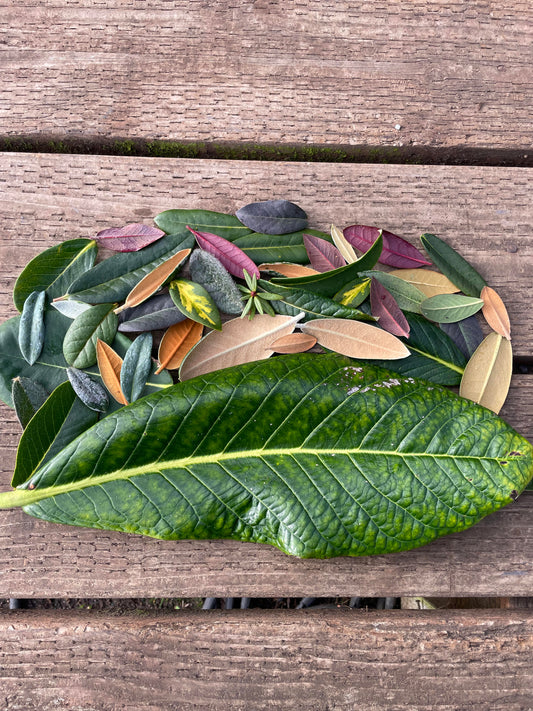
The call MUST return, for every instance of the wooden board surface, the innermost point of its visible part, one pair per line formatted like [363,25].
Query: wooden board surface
[308,660]
[322,72]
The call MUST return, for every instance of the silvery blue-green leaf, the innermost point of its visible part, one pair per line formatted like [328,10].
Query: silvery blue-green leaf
[27,397]
[407,296]
[136,367]
[70,307]
[293,301]
[31,326]
[205,269]
[90,392]
[449,308]
[218,223]
[266,249]
[60,420]
[79,345]
[274,217]
[466,334]
[451,264]
[54,269]
[114,278]
[157,313]
[318,455]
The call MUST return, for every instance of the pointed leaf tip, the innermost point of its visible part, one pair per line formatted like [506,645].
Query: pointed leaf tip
[230,256]
[396,252]
[495,312]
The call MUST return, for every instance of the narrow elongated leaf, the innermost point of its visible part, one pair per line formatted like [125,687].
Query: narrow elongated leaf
[386,310]
[54,269]
[27,396]
[317,455]
[60,420]
[206,270]
[239,342]
[495,312]
[407,296]
[455,267]
[293,343]
[89,391]
[114,278]
[466,334]
[274,217]
[487,375]
[449,308]
[79,345]
[429,282]
[294,301]
[154,280]
[396,251]
[177,341]
[157,313]
[355,339]
[228,226]
[342,244]
[262,248]
[110,365]
[70,307]
[323,255]
[288,269]
[31,326]
[129,238]
[195,303]
[136,367]
[354,293]
[229,255]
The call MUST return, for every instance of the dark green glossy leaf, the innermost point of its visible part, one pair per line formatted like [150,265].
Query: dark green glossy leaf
[194,301]
[114,278]
[317,455]
[449,308]
[27,397]
[452,265]
[227,226]
[89,391]
[79,345]
[31,326]
[267,249]
[60,420]
[466,334]
[407,296]
[206,270]
[55,269]
[136,367]
[273,217]
[157,313]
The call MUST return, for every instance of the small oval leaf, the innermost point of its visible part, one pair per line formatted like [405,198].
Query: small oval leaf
[293,343]
[129,238]
[354,293]
[495,312]
[110,365]
[396,252]
[136,367]
[79,345]
[273,217]
[177,341]
[449,308]
[355,339]
[88,390]
[323,255]
[194,301]
[31,326]
[487,375]
[455,267]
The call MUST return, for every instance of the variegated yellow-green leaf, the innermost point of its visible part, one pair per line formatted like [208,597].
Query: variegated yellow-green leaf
[487,375]
[194,301]
[354,293]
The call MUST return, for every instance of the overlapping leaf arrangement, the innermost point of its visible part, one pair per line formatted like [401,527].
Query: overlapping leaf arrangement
[289,289]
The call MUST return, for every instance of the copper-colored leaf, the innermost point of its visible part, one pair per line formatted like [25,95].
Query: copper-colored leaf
[177,341]
[288,269]
[429,282]
[342,244]
[239,341]
[110,365]
[495,312]
[293,343]
[487,375]
[152,281]
[355,339]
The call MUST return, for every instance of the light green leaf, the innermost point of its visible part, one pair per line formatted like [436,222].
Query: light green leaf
[450,308]
[31,326]
[407,296]
[317,455]
[55,269]
[218,223]
[265,249]
[136,367]
[452,265]
[79,345]
[194,301]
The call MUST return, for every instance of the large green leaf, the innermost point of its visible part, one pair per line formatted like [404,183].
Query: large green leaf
[218,223]
[265,249]
[315,454]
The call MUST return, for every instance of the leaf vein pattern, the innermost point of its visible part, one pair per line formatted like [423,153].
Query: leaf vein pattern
[469,483]
[387,412]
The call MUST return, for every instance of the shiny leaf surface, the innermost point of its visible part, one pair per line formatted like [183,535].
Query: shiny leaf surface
[262,248]
[273,217]
[79,344]
[227,226]
[27,396]
[229,255]
[456,268]
[295,300]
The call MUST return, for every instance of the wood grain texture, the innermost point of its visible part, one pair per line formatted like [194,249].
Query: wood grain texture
[322,72]
[238,660]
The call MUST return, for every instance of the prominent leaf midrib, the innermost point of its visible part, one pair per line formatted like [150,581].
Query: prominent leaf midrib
[446,363]
[92,243]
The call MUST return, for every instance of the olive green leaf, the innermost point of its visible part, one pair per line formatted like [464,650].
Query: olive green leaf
[60,420]
[79,346]
[89,391]
[218,223]
[194,301]
[31,326]
[451,264]
[55,269]
[315,454]
[293,301]
[263,248]
[449,308]
[136,367]
[27,397]
[407,296]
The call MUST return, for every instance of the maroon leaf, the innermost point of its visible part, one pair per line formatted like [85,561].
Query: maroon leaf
[383,305]
[231,256]
[396,252]
[323,255]
[129,238]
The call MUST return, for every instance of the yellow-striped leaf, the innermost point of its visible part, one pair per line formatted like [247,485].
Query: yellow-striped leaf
[194,301]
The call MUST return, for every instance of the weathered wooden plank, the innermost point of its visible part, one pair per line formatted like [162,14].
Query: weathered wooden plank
[330,659]
[323,72]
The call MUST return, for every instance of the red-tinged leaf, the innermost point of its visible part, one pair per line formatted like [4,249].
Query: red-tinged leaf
[396,252]
[385,308]
[129,238]
[323,255]
[228,254]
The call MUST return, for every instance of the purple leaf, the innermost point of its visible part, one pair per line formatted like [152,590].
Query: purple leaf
[384,306]
[230,256]
[129,238]
[323,255]
[396,252]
